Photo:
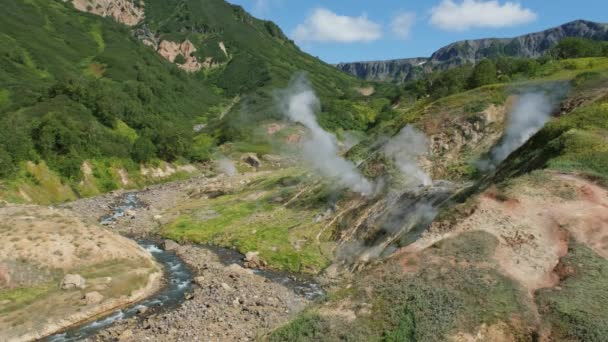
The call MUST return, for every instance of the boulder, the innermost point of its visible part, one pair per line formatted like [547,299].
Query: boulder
[200,281]
[237,269]
[253,260]
[170,245]
[252,160]
[271,158]
[92,298]
[73,281]
[126,335]
[226,287]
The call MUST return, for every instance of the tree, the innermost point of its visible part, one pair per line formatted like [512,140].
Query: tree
[576,48]
[7,167]
[171,142]
[484,73]
[143,150]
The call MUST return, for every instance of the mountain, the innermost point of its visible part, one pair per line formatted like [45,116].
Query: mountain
[531,45]
[119,83]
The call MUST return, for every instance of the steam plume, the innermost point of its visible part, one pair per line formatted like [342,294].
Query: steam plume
[227,166]
[406,148]
[529,115]
[299,103]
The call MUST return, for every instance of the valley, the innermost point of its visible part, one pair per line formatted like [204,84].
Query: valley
[183,171]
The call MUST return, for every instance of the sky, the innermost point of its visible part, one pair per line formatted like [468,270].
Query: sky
[358,30]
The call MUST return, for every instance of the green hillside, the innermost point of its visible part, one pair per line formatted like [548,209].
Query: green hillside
[76,86]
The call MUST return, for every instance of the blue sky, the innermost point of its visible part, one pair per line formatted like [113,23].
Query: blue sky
[357,30]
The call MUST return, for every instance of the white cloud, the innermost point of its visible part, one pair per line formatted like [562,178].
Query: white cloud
[452,16]
[402,24]
[324,25]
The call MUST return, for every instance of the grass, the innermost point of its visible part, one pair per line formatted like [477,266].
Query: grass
[124,279]
[40,185]
[256,219]
[575,142]
[430,305]
[578,312]
[251,225]
[19,298]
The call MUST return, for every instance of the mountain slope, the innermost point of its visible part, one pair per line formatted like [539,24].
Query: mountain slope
[531,45]
[78,87]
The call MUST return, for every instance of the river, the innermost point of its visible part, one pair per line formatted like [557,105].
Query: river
[179,279]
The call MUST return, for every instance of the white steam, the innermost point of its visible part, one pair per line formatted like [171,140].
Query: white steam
[529,115]
[227,167]
[299,103]
[406,148]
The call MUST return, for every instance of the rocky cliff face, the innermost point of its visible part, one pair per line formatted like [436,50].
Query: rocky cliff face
[471,51]
[398,70]
[124,11]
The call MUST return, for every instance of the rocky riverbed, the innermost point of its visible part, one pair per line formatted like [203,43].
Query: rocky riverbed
[227,303]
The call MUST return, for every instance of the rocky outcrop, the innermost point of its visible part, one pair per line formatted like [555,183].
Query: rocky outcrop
[530,45]
[171,50]
[73,281]
[128,12]
[170,245]
[471,51]
[252,160]
[399,70]
[146,36]
[182,54]
[92,298]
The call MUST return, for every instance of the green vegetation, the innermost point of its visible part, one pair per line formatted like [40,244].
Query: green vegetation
[18,298]
[428,305]
[577,142]
[577,312]
[258,219]
[76,87]
[126,274]
[579,47]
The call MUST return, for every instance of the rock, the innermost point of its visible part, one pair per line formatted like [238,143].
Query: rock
[271,158]
[226,287]
[158,217]
[142,310]
[73,281]
[170,245]
[189,296]
[238,269]
[252,160]
[92,298]
[130,213]
[253,260]
[126,335]
[200,281]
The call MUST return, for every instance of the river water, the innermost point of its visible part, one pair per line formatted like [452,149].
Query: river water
[179,280]
[179,283]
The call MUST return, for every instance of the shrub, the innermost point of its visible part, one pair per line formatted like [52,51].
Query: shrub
[484,73]
[143,150]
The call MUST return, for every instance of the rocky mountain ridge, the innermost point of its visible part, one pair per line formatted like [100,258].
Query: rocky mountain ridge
[531,45]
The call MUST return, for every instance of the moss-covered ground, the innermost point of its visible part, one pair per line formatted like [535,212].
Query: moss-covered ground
[456,288]
[260,217]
